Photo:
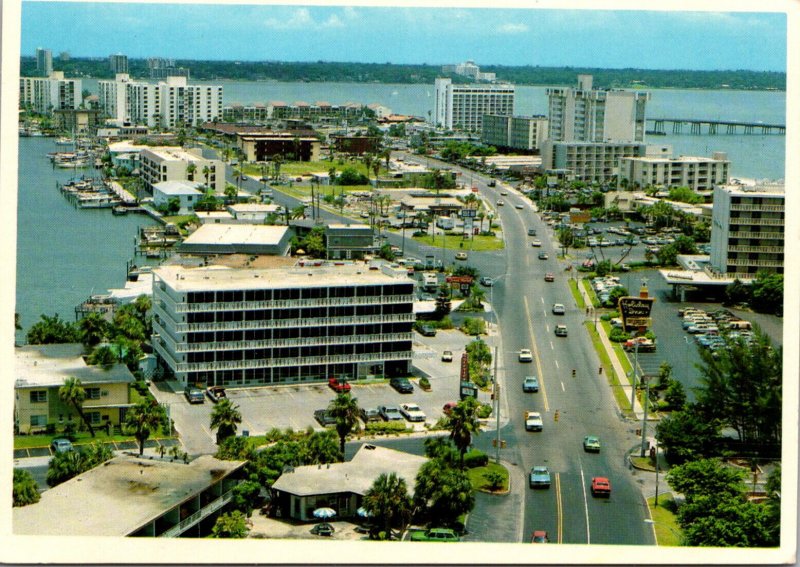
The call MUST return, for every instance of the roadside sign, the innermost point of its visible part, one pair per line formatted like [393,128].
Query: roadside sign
[635,311]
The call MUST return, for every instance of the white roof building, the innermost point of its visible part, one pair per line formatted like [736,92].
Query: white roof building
[238,239]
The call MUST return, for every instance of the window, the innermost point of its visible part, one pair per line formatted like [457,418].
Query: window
[92,393]
[38,420]
[38,397]
[93,417]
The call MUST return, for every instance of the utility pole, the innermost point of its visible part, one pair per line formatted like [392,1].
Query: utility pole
[646,403]
[635,368]
[496,409]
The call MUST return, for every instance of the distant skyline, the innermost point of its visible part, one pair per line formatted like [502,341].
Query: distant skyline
[435,36]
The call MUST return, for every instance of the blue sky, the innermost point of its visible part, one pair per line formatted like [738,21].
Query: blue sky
[596,38]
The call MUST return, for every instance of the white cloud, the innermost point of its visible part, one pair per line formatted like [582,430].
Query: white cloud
[350,13]
[300,18]
[513,28]
[333,21]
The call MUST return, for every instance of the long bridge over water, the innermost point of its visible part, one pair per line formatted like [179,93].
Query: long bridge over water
[712,127]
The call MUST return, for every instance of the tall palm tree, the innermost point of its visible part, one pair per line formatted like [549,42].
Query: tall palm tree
[344,409]
[225,418]
[463,423]
[142,420]
[72,392]
[206,173]
[388,501]
[368,160]
[93,328]
[190,171]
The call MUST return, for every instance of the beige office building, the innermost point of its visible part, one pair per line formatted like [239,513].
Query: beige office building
[696,173]
[158,164]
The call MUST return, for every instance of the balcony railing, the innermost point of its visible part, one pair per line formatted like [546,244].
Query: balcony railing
[293,323]
[760,249]
[755,221]
[745,234]
[776,263]
[292,303]
[204,512]
[296,342]
[295,361]
[763,208]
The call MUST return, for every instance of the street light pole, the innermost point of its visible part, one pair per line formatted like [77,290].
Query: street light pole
[496,409]
[646,402]
[635,367]
[656,500]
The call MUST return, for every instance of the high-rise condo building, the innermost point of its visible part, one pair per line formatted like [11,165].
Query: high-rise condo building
[44,95]
[118,63]
[44,62]
[462,107]
[584,114]
[283,325]
[747,230]
[514,132]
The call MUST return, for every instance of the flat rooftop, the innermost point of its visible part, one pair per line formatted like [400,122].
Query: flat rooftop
[42,366]
[253,208]
[356,475]
[308,275]
[229,234]
[178,188]
[119,496]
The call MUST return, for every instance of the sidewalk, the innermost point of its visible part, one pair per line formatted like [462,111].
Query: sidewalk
[624,379]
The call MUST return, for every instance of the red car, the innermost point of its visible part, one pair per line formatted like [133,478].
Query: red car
[539,536]
[339,386]
[601,486]
[448,408]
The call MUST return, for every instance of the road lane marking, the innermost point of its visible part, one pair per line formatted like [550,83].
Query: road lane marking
[559,509]
[563,389]
[542,298]
[536,354]
[585,507]
[552,347]
[557,366]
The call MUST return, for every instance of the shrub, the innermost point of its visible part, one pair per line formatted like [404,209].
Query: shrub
[494,478]
[473,326]
[617,335]
[475,458]
[445,323]
[484,411]
[385,427]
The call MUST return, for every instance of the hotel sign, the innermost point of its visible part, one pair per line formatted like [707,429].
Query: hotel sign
[635,311]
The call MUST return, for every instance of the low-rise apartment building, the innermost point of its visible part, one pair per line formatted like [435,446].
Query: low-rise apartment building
[40,370]
[283,325]
[526,133]
[747,230]
[349,241]
[696,173]
[297,145]
[159,164]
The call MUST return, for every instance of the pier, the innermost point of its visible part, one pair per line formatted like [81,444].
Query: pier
[713,127]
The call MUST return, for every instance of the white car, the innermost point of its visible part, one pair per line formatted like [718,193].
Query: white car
[536,243]
[525,355]
[412,412]
[533,421]
[559,309]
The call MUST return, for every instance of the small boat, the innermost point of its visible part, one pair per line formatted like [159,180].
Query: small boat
[64,141]
[119,210]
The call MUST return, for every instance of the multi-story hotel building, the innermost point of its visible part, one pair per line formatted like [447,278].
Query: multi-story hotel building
[589,161]
[747,230]
[166,104]
[514,132]
[697,173]
[159,164]
[44,95]
[281,325]
[44,61]
[118,63]
[584,114]
[462,107]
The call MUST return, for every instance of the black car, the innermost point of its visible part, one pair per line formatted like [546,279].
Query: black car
[427,331]
[324,417]
[194,395]
[402,385]
[369,414]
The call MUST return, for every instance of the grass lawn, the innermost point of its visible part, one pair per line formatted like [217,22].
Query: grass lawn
[178,219]
[576,294]
[618,350]
[587,285]
[619,394]
[666,522]
[478,480]
[477,243]
[33,441]
[296,168]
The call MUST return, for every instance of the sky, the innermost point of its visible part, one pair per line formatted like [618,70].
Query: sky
[545,37]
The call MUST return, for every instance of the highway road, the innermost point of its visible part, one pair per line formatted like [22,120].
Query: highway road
[585,404]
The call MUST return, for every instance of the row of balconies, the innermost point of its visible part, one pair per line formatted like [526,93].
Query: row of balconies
[759,249]
[775,263]
[294,361]
[291,303]
[754,221]
[777,235]
[296,342]
[761,208]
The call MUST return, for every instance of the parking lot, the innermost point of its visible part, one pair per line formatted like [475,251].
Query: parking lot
[292,406]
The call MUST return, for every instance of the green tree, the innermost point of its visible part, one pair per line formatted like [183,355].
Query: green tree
[443,305]
[388,502]
[473,326]
[72,393]
[191,169]
[344,409]
[566,237]
[231,192]
[322,447]
[143,419]
[463,424]
[686,435]
[24,488]
[675,395]
[232,525]
[443,493]
[386,252]
[615,294]
[684,195]
[767,293]
[93,328]
[737,293]
[351,176]
[51,330]
[64,466]
[225,418]
[442,448]
[103,356]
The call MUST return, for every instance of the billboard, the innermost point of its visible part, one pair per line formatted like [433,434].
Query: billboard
[635,311]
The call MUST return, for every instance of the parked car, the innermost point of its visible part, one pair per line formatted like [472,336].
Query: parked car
[539,536]
[601,486]
[645,344]
[402,385]
[412,412]
[549,277]
[435,534]
[525,355]
[390,413]
[487,281]
[461,255]
[369,414]
[447,356]
[591,444]
[215,393]
[323,529]
[427,331]
[539,477]
[533,421]
[559,309]
[194,395]
[324,417]
[530,384]
[338,386]
[561,330]
[61,445]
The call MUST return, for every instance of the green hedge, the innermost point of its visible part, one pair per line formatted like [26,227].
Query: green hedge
[385,427]
[475,458]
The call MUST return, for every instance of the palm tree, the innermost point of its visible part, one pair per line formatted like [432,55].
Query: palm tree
[190,171]
[206,173]
[463,423]
[387,500]
[72,392]
[344,409]
[225,417]
[142,420]
[93,329]
[367,159]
